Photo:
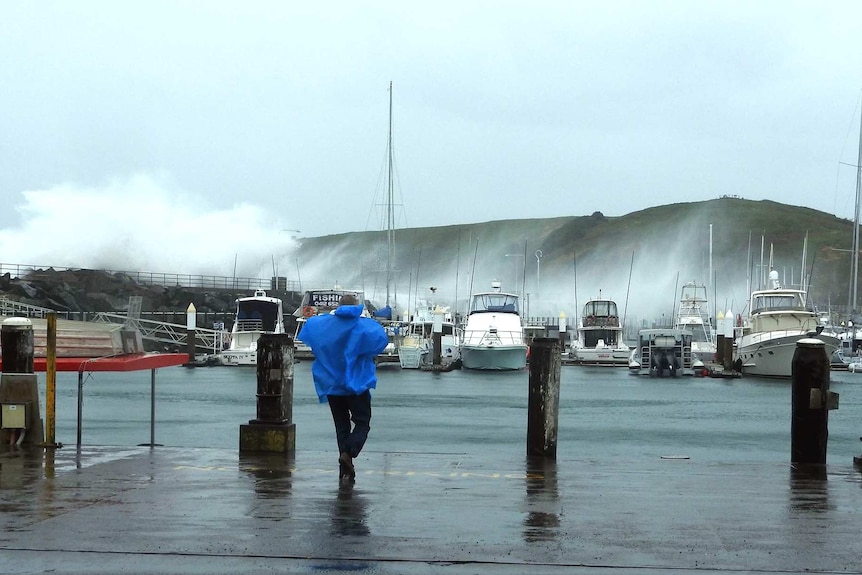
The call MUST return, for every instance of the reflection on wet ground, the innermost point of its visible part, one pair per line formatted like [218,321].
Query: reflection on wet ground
[542,521]
[809,488]
[349,512]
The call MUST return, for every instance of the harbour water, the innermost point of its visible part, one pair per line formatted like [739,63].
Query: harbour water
[605,413]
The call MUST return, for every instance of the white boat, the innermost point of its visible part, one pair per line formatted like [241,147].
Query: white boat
[255,316]
[663,353]
[318,302]
[693,315]
[416,348]
[778,318]
[493,337]
[600,335]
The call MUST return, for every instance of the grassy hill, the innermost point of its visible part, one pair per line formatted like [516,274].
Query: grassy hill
[638,259]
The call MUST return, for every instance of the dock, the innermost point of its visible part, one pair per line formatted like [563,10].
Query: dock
[160,510]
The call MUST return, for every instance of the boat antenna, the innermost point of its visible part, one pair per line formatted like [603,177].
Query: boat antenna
[524,276]
[234,269]
[626,307]
[675,297]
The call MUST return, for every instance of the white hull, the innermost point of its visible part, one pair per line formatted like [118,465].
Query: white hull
[770,353]
[242,350]
[415,352]
[500,358]
[238,357]
[601,355]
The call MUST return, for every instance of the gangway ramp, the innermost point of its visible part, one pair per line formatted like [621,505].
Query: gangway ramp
[208,340]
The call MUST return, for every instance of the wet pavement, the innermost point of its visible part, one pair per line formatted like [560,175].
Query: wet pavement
[175,510]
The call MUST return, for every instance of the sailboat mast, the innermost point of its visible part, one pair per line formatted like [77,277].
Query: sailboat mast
[854,258]
[390,201]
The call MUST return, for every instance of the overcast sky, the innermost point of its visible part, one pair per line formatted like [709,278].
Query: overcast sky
[224,117]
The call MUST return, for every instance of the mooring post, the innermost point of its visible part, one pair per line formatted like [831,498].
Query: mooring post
[273,430]
[437,338]
[562,332]
[811,402]
[20,420]
[51,380]
[191,331]
[543,403]
[719,349]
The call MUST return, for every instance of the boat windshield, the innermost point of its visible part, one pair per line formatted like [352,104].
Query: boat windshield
[494,302]
[770,302]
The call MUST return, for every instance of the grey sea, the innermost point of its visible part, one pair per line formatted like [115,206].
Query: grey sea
[605,413]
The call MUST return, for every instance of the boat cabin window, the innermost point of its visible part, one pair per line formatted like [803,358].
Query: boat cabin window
[257,315]
[495,302]
[600,308]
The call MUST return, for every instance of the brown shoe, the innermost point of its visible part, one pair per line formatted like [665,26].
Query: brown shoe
[345,466]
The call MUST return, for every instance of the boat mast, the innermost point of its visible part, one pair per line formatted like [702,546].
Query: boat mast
[854,259]
[390,201]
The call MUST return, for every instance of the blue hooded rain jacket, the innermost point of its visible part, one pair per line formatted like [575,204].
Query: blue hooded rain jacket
[344,345]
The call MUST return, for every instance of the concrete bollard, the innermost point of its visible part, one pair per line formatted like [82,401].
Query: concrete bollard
[273,430]
[811,402]
[20,419]
[543,403]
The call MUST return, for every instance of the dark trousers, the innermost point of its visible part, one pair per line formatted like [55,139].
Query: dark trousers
[346,409]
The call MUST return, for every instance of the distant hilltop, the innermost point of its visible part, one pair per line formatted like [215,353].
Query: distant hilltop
[639,260]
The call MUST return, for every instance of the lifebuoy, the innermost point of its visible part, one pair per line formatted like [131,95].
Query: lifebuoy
[307,311]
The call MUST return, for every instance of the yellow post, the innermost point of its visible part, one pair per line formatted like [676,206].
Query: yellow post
[51,380]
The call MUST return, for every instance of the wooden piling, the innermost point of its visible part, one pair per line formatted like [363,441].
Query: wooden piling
[19,387]
[811,402]
[17,342]
[273,429]
[544,398]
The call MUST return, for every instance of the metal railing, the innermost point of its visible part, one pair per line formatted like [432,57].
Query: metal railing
[22,271]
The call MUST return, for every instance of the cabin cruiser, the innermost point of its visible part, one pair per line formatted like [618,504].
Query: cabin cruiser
[255,315]
[778,318]
[600,335]
[493,337]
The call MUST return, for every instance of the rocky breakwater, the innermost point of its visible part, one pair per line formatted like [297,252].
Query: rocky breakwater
[77,294]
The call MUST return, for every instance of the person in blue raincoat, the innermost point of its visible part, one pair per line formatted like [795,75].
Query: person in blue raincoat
[345,345]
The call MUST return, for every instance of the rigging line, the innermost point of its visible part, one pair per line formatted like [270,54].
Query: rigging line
[843,148]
